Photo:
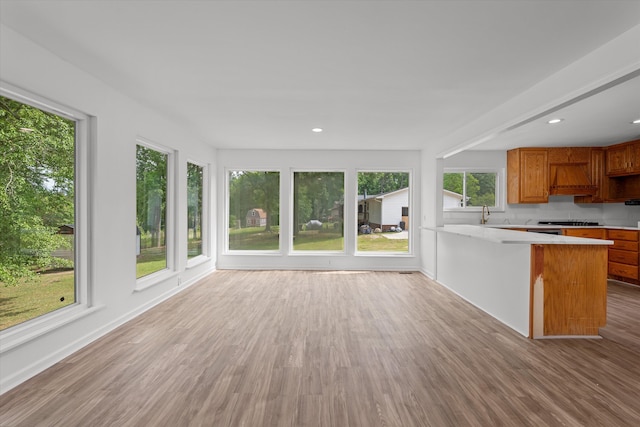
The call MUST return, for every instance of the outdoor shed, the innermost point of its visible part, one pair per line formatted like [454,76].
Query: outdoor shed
[256,218]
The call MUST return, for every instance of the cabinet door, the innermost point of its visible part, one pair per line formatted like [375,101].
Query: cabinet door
[534,176]
[597,174]
[617,234]
[616,160]
[634,157]
[589,233]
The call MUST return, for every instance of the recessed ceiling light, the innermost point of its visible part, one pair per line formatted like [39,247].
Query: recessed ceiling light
[316,130]
[636,122]
[554,121]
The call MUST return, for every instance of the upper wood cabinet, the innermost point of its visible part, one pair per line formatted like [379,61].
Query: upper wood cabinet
[596,170]
[527,175]
[569,155]
[623,159]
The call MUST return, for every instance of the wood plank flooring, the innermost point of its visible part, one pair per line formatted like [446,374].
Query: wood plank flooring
[263,348]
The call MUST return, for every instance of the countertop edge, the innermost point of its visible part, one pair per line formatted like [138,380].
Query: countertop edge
[499,235]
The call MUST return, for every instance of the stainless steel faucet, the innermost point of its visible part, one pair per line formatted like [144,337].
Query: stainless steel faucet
[484,218]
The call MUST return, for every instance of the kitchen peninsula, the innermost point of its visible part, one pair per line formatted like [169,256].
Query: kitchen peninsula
[538,284]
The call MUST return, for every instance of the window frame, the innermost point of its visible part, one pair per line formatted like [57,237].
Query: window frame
[227,214]
[499,186]
[411,211]
[297,252]
[84,202]
[169,271]
[206,251]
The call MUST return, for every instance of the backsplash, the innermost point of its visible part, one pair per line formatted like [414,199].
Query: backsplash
[559,208]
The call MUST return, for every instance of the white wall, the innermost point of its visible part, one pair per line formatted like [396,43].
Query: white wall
[348,161]
[431,212]
[558,208]
[118,122]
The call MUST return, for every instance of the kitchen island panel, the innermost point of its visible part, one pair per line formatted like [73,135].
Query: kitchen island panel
[574,279]
[492,276]
[540,286]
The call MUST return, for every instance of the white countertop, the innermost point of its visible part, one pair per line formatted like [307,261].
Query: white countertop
[554,227]
[498,235]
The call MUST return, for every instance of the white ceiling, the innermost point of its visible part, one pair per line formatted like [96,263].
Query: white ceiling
[373,74]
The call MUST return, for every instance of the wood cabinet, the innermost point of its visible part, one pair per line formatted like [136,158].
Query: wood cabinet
[574,294]
[623,255]
[590,174]
[527,175]
[569,155]
[623,159]
[589,233]
[596,173]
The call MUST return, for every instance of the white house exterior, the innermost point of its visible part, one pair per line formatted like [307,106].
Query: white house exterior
[451,199]
[385,210]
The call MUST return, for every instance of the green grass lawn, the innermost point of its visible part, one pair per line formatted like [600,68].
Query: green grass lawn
[254,239]
[316,240]
[379,243]
[34,297]
[151,260]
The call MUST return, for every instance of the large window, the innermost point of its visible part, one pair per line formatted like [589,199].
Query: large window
[318,211]
[254,205]
[383,212]
[151,210]
[37,212]
[470,190]
[195,194]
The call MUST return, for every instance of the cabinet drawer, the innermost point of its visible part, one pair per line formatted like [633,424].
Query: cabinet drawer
[623,257]
[623,270]
[591,233]
[622,235]
[624,245]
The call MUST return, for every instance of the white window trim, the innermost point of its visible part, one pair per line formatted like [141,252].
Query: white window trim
[409,253]
[500,185]
[206,224]
[84,204]
[227,195]
[170,230]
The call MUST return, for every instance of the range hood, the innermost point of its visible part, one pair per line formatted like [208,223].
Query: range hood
[570,180]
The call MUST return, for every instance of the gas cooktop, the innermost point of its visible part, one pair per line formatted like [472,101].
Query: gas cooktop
[574,223]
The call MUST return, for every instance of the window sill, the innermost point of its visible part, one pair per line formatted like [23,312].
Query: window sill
[20,334]
[385,254]
[250,252]
[153,279]
[317,253]
[198,260]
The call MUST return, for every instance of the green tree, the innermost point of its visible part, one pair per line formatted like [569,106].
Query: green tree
[37,152]
[195,187]
[483,187]
[151,189]
[453,181]
[373,183]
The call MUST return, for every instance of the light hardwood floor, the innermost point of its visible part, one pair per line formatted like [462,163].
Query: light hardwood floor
[261,348]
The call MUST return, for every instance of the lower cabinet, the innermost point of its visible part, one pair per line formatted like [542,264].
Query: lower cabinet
[623,254]
[589,233]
